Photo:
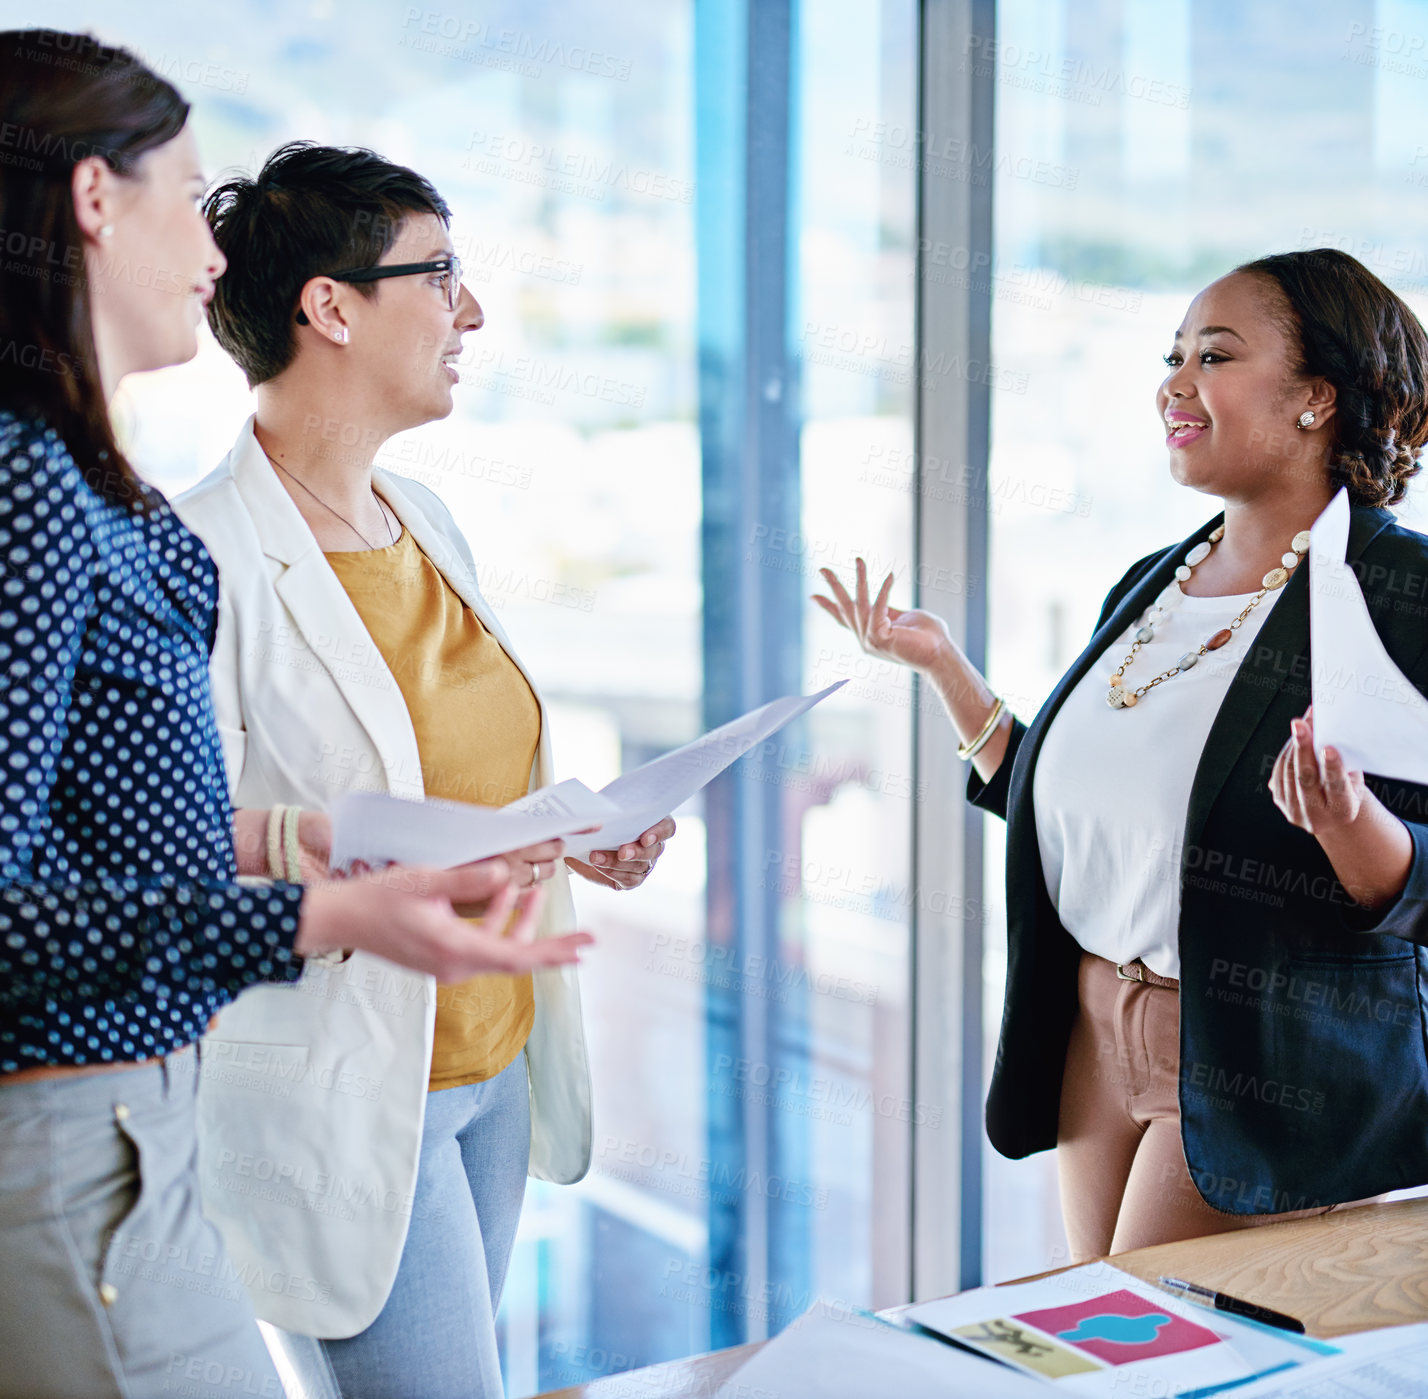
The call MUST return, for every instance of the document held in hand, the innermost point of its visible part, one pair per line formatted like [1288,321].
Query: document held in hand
[380,829]
[377,828]
[1363,704]
[653,791]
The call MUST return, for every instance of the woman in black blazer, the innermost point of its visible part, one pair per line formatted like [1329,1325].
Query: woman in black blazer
[1263,1053]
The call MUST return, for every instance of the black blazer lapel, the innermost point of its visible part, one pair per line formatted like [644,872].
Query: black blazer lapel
[1273,663]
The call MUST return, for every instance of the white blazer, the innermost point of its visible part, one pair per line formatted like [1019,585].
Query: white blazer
[312,1096]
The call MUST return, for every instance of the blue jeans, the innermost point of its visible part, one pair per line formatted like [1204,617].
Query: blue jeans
[436,1336]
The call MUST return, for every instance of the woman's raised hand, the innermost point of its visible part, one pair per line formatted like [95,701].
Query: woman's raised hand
[922,641]
[915,638]
[406,915]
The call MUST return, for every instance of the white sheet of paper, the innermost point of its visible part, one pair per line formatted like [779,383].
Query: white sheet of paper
[649,793]
[1384,1364]
[829,1354]
[378,828]
[1363,704]
[1186,1362]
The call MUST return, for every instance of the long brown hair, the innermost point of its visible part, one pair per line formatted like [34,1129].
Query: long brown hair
[65,97]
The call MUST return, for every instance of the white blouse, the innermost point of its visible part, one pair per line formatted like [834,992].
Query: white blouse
[1112,786]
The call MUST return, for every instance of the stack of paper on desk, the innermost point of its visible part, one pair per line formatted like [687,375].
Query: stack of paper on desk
[1099,1331]
[831,1353]
[1388,1364]
[377,828]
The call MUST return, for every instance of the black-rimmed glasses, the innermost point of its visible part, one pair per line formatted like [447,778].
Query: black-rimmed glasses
[450,283]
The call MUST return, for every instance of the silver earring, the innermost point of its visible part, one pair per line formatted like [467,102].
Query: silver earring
[105,230]
[340,335]
[1306,419]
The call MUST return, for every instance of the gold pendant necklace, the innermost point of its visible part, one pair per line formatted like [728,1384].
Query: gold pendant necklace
[1122,696]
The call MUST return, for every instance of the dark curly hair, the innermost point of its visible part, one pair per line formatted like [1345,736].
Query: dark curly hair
[311,209]
[1351,330]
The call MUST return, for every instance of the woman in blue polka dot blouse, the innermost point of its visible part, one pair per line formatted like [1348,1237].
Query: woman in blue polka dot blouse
[123,924]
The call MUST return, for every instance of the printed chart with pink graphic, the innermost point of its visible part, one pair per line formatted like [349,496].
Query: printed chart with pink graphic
[1098,1331]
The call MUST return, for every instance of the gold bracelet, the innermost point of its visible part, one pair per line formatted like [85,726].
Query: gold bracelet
[970,750]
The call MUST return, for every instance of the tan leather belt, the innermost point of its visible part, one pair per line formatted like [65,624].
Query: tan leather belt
[1138,971]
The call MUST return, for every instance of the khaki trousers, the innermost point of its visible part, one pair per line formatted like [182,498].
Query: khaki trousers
[112,1283]
[1124,1180]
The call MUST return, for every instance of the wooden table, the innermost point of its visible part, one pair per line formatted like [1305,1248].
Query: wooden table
[1346,1271]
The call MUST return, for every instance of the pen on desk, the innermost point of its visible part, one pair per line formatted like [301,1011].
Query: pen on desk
[1223,1302]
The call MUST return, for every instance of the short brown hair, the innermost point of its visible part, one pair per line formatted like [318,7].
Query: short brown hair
[311,209]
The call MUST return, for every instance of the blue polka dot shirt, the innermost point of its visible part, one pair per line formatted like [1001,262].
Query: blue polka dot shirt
[122,926]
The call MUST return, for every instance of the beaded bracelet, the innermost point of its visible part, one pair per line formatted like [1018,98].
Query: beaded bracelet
[275,843]
[291,855]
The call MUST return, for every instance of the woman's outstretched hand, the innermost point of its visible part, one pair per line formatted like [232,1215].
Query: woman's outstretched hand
[406,915]
[914,638]
[921,640]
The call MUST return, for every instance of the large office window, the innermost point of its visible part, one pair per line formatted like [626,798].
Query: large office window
[695,227]
[693,243]
[1146,147]
[855,258]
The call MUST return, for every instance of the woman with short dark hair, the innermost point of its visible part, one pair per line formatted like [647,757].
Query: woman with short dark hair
[358,651]
[1187,968]
[123,924]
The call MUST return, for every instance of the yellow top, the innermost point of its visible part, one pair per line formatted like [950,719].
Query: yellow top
[477,726]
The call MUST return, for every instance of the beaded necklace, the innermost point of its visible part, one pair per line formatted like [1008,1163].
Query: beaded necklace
[1121,696]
